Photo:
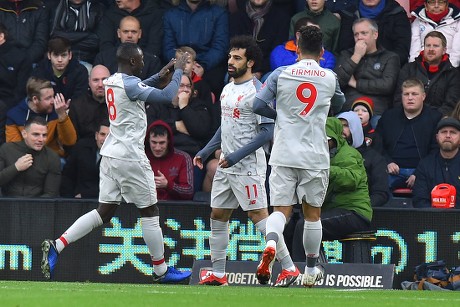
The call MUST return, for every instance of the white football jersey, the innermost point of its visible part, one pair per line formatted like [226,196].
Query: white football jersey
[125,97]
[239,125]
[303,93]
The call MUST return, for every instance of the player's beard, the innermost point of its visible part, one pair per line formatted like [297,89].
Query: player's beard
[238,72]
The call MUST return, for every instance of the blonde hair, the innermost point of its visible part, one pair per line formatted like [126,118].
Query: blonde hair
[188,49]
[35,85]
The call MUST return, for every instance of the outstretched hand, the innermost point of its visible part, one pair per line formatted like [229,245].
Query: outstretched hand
[167,69]
[181,61]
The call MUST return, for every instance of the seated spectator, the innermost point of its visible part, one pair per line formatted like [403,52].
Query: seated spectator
[67,75]
[442,166]
[27,22]
[150,17]
[42,102]
[173,168]
[328,22]
[90,109]
[408,134]
[187,116]
[201,87]
[364,107]
[203,26]
[368,69]
[391,20]
[28,168]
[434,69]
[440,16]
[78,21]
[374,163]
[347,206]
[285,54]
[80,175]
[15,68]
[267,23]
[129,31]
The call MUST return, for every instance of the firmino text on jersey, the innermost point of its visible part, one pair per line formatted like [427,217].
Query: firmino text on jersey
[308,72]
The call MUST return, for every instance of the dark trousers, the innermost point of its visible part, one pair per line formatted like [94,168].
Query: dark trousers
[337,223]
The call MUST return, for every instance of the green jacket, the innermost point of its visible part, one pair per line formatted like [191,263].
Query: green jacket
[348,187]
[42,179]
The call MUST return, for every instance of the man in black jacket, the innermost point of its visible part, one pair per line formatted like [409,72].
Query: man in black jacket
[67,75]
[442,166]
[435,70]
[148,14]
[80,176]
[15,68]
[408,134]
[368,69]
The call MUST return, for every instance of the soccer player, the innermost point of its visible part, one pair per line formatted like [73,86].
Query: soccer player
[125,172]
[240,177]
[299,158]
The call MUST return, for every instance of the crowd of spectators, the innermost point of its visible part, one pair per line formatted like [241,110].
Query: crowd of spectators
[396,61]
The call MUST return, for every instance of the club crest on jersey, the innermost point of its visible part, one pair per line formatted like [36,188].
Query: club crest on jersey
[142,85]
[236,113]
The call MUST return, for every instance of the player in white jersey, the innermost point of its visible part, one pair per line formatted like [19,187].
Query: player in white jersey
[304,93]
[125,172]
[240,177]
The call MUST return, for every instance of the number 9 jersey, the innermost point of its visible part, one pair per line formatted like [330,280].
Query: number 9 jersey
[303,93]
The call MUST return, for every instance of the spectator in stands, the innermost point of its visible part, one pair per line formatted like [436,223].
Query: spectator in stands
[436,15]
[415,4]
[78,21]
[89,109]
[129,31]
[67,75]
[285,54]
[392,22]
[202,25]
[27,22]
[173,168]
[364,107]
[187,116]
[374,163]
[368,69]
[408,134]
[15,68]
[442,166]
[437,73]
[267,23]
[328,22]
[347,206]
[201,87]
[149,16]
[42,102]
[80,175]
[28,168]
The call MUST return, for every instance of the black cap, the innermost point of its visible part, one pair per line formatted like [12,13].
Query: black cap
[448,122]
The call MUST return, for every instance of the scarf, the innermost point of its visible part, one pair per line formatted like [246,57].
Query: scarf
[371,12]
[256,14]
[71,16]
[437,17]
[431,69]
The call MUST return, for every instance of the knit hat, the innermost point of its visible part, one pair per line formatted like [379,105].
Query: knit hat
[448,122]
[366,102]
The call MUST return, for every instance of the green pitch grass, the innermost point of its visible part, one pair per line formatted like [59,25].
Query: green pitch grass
[25,293]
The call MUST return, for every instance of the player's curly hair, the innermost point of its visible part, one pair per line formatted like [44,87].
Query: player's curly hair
[253,51]
[310,40]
